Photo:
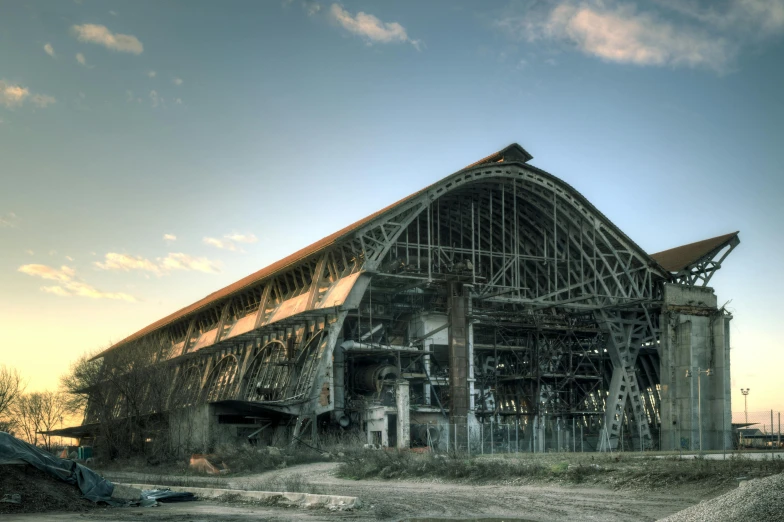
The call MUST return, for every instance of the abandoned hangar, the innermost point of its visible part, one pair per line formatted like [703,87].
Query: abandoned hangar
[496,294]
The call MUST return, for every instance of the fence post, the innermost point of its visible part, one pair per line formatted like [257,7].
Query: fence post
[574,439]
[456,447]
[517,433]
[468,437]
[482,437]
[447,438]
[771,430]
[492,450]
[508,439]
[581,437]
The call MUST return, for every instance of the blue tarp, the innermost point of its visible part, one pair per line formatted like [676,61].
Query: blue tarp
[93,486]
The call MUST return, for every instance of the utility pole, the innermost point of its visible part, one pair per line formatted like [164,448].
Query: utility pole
[745,392]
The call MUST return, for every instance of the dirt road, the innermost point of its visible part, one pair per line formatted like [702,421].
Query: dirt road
[396,500]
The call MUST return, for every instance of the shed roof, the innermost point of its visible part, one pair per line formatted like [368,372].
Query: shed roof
[678,258]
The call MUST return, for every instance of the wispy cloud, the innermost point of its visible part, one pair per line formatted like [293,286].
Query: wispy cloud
[228,242]
[242,238]
[29,252]
[68,284]
[42,100]
[155,100]
[48,49]
[180,261]
[14,95]
[9,220]
[81,59]
[161,266]
[101,35]
[69,258]
[126,263]
[370,28]
[169,237]
[151,74]
[177,81]
[219,243]
[617,31]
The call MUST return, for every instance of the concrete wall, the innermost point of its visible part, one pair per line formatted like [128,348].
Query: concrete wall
[694,336]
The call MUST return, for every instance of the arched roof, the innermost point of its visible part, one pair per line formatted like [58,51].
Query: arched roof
[513,154]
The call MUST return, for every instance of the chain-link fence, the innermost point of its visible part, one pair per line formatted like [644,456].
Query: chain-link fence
[757,429]
[491,437]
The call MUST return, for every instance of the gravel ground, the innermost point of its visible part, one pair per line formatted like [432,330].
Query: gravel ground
[755,500]
[403,499]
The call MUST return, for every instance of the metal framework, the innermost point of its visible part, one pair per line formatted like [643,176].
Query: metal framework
[562,312]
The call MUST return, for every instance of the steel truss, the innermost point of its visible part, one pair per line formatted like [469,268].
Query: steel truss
[564,309]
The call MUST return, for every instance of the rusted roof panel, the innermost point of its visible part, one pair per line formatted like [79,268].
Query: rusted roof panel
[678,258]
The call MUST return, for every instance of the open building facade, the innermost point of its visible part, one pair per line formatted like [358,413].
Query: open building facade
[496,295]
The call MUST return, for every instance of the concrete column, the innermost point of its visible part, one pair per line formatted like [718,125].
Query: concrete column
[403,414]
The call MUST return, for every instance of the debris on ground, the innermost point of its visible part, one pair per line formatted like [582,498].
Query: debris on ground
[758,499]
[201,464]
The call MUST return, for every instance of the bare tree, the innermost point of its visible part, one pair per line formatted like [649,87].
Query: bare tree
[124,395]
[38,413]
[11,386]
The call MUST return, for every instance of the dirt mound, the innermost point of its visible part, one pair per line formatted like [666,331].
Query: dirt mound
[40,492]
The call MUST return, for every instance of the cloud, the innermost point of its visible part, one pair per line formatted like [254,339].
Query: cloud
[615,31]
[219,243]
[113,13]
[371,28]
[12,95]
[42,100]
[126,263]
[178,101]
[100,34]
[177,81]
[151,74]
[63,275]
[229,240]
[69,258]
[155,100]
[312,8]
[48,49]
[242,238]
[69,285]
[81,59]
[170,237]
[760,18]
[180,261]
[29,252]
[9,220]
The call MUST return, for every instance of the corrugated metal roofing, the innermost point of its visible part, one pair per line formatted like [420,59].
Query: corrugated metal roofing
[678,258]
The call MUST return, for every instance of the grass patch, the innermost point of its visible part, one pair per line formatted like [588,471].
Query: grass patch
[617,470]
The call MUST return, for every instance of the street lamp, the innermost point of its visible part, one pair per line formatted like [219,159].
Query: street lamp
[745,392]
[707,373]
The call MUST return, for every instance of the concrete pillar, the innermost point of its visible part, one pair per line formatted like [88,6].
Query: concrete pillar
[458,355]
[695,336]
[403,414]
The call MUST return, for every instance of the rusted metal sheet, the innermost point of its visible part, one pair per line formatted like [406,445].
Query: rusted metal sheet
[678,258]
[338,292]
[242,326]
[205,339]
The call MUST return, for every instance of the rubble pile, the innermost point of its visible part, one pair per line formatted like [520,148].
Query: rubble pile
[759,499]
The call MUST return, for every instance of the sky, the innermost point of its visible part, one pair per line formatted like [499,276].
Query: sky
[154,152]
